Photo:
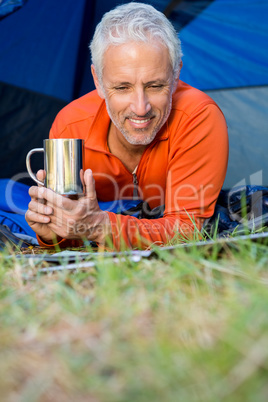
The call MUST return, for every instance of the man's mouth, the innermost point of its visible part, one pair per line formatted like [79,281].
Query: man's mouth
[139,121]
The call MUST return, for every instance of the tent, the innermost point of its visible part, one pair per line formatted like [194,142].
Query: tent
[44,64]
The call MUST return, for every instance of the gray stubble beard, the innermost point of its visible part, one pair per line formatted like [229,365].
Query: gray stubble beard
[147,140]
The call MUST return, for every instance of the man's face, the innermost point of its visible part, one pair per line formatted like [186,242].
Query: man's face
[137,86]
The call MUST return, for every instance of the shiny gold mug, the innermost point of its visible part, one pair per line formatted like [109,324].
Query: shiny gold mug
[64,166]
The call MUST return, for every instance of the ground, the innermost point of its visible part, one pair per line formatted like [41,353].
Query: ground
[183,324]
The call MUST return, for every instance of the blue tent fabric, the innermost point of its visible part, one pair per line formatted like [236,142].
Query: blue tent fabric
[223,46]
[226,45]
[14,196]
[9,6]
[16,223]
[46,62]
[241,209]
[14,202]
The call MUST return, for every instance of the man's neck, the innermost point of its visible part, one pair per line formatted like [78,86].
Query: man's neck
[129,154]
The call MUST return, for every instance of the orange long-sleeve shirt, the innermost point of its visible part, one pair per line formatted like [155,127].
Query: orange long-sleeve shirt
[183,168]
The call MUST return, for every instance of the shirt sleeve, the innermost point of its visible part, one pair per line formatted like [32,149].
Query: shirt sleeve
[196,171]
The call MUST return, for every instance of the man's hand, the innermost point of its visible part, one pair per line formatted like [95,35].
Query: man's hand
[37,214]
[52,215]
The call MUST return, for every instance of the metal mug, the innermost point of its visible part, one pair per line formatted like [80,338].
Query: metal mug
[64,166]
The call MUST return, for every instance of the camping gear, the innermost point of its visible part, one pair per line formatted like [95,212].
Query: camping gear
[64,165]
[14,200]
[10,240]
[241,210]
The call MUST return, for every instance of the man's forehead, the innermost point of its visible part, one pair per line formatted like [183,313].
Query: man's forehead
[140,57]
[131,47]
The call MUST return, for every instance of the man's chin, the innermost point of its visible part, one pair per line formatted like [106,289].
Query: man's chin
[140,139]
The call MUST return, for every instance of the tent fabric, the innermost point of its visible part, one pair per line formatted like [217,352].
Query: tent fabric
[15,197]
[25,120]
[16,223]
[226,45]
[246,114]
[183,12]
[41,53]
[15,241]
[9,6]
[14,202]
[226,40]
[240,210]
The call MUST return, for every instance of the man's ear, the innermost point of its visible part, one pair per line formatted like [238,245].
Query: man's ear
[96,82]
[177,78]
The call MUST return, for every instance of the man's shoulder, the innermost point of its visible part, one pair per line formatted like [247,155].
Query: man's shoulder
[82,108]
[188,99]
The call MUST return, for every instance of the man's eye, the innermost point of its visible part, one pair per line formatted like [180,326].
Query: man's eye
[121,88]
[159,86]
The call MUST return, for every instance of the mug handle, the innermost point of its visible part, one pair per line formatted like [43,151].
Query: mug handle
[28,164]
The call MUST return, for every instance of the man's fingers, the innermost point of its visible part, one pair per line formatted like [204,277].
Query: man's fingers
[38,212]
[41,175]
[36,217]
[90,184]
[52,198]
[40,208]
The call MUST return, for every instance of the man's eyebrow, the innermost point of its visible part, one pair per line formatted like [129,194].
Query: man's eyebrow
[156,81]
[119,83]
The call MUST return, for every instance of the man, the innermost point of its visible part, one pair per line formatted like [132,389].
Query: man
[146,133]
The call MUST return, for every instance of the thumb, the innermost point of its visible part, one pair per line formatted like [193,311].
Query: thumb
[89,184]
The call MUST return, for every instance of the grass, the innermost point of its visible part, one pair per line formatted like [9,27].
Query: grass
[187,325]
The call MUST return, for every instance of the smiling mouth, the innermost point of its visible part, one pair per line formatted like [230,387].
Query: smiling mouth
[140,121]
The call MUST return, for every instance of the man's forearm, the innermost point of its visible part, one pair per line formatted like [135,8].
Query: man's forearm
[130,232]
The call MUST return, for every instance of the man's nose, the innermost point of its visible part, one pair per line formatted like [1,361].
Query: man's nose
[140,103]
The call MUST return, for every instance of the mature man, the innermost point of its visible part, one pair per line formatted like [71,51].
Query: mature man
[146,133]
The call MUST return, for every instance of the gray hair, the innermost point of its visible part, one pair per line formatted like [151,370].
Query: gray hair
[134,22]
